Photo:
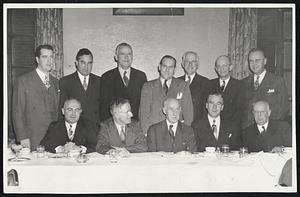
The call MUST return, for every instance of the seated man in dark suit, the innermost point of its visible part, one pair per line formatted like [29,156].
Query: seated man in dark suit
[266,134]
[171,135]
[213,130]
[72,128]
[121,132]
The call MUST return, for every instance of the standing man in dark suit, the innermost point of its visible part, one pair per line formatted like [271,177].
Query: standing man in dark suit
[83,85]
[35,100]
[120,132]
[72,128]
[198,84]
[213,130]
[265,134]
[122,82]
[166,86]
[230,88]
[170,135]
[264,85]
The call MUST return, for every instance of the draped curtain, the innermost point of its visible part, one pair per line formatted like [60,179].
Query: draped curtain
[242,37]
[50,31]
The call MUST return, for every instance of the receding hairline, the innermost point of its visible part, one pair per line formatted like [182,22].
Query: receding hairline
[265,103]
[223,56]
[190,52]
[69,100]
[123,44]
[168,100]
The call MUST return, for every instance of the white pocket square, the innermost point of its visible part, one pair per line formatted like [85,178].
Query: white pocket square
[179,95]
[271,91]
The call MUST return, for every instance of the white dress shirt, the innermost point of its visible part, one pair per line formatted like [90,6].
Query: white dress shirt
[187,77]
[121,70]
[73,128]
[174,128]
[217,123]
[41,75]
[226,82]
[119,128]
[260,129]
[81,77]
[162,81]
[261,76]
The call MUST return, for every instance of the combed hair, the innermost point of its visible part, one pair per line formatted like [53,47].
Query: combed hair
[194,53]
[40,47]
[256,50]
[170,57]
[117,103]
[262,101]
[122,45]
[229,59]
[216,93]
[70,99]
[83,51]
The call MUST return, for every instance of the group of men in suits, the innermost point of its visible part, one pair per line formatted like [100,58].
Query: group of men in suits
[130,110]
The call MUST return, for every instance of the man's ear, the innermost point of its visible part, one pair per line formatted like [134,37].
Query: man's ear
[222,107]
[230,67]
[116,58]
[37,60]
[62,111]
[76,65]
[265,61]
[164,111]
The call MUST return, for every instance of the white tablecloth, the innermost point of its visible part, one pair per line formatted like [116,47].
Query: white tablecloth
[150,172]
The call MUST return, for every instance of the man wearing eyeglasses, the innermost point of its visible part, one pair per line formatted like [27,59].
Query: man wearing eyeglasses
[263,84]
[213,130]
[73,128]
[198,84]
[265,134]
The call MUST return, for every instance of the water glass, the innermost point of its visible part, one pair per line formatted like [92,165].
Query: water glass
[82,158]
[225,149]
[40,151]
[243,151]
[113,157]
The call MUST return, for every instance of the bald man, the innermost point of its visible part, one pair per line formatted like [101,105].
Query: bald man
[230,88]
[265,134]
[170,135]
[198,84]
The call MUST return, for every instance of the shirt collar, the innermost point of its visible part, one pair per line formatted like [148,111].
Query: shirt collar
[174,128]
[121,70]
[260,129]
[187,77]
[226,81]
[81,77]
[261,76]
[162,81]
[217,120]
[119,127]
[73,126]
[41,74]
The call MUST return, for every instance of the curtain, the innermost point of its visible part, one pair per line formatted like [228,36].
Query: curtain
[50,31]
[242,37]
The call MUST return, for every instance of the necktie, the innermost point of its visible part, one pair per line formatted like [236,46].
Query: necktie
[165,87]
[189,80]
[214,128]
[84,84]
[125,78]
[223,86]
[263,133]
[122,133]
[71,133]
[171,132]
[256,83]
[46,81]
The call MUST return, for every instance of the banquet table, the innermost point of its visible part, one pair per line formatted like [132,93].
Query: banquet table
[151,172]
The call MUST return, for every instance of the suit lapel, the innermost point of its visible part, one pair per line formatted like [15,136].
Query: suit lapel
[114,134]
[79,84]
[40,86]
[158,84]
[209,131]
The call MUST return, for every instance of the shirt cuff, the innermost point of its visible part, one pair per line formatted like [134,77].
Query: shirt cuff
[83,149]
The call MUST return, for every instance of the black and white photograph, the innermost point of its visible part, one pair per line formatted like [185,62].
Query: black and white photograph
[149,98]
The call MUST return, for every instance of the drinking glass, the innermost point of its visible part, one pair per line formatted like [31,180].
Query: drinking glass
[40,149]
[225,149]
[243,152]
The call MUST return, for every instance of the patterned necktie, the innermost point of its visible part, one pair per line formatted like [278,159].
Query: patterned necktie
[84,84]
[223,86]
[122,133]
[256,83]
[46,81]
[71,133]
[125,78]
[171,132]
[165,87]
[263,133]
[189,80]
[214,128]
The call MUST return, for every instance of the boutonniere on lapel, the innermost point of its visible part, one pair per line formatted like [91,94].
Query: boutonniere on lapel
[229,134]
[58,91]
[179,95]
[271,91]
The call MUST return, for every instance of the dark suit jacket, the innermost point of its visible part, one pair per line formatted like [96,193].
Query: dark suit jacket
[57,134]
[159,139]
[199,90]
[70,86]
[228,134]
[109,136]
[278,134]
[233,98]
[112,87]
[271,89]
[152,99]
[34,107]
